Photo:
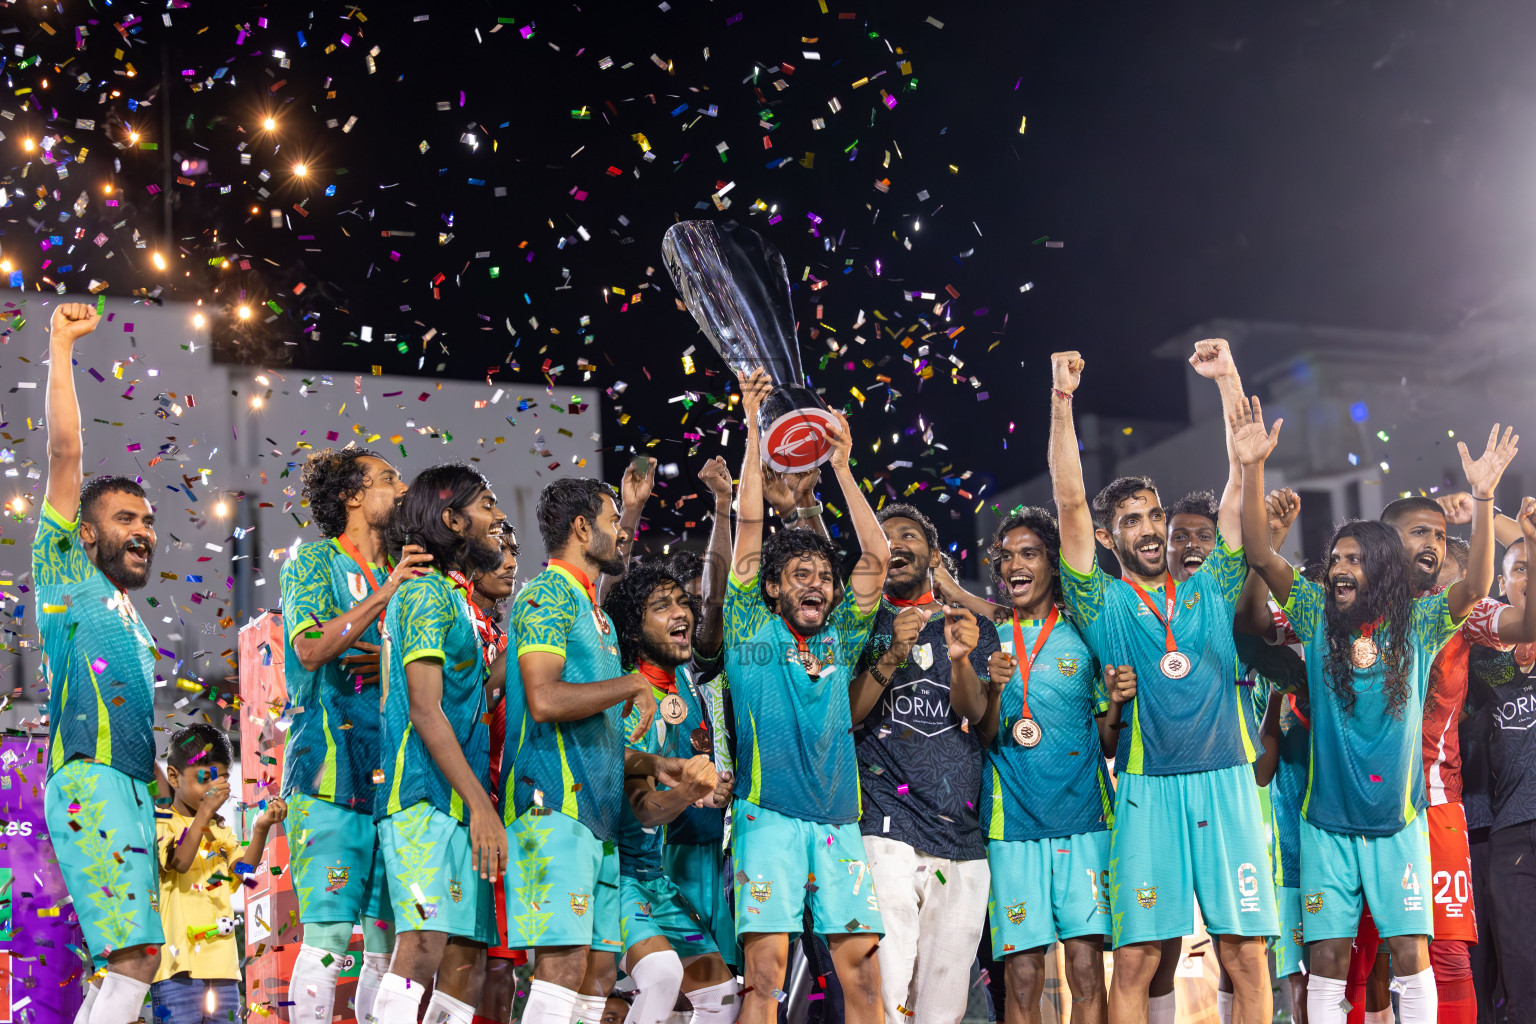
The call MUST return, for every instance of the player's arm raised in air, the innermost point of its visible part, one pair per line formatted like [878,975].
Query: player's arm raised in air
[717,477]
[1483,474]
[749,495]
[66,445]
[868,581]
[1253,443]
[1072,512]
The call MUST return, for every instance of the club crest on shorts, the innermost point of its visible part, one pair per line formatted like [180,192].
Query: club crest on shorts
[1147,897]
[579,903]
[335,878]
[761,891]
[1313,902]
[1296,936]
[154,901]
[1066,666]
[455,890]
[1016,912]
[645,908]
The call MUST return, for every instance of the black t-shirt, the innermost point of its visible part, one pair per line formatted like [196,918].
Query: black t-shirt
[913,740]
[1496,682]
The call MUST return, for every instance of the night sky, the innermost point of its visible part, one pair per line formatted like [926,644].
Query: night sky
[1357,164]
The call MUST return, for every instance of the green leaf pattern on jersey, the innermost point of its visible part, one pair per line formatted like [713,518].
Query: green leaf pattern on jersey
[108,892]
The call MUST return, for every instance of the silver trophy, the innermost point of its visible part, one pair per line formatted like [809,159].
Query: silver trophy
[736,286]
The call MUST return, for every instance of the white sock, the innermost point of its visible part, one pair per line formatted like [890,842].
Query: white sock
[548,1003]
[1162,1009]
[83,1015]
[444,1009]
[398,1000]
[1379,1016]
[1325,1000]
[312,985]
[375,966]
[119,1000]
[658,978]
[1417,998]
[588,1009]
[717,1004]
[1224,1006]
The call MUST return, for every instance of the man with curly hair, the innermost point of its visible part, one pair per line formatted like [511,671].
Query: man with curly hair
[1370,644]
[668,947]
[916,704]
[335,592]
[790,654]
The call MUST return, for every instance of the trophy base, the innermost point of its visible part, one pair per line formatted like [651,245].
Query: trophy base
[793,426]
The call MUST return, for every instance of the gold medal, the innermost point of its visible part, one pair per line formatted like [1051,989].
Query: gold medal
[1026,732]
[1363,652]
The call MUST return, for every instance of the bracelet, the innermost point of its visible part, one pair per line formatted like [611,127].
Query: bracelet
[791,518]
[874,670]
[809,512]
[1476,498]
[1065,396]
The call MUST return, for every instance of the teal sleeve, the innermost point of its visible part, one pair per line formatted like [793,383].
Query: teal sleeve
[1304,608]
[1228,568]
[852,627]
[1432,623]
[744,610]
[58,556]
[546,611]
[1100,690]
[308,599]
[425,614]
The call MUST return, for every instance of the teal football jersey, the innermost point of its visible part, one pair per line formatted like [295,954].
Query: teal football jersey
[1059,787]
[333,744]
[1366,776]
[640,845]
[576,768]
[794,740]
[98,657]
[1194,724]
[696,824]
[429,617]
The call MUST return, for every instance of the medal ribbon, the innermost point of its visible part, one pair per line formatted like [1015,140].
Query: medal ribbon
[493,639]
[1166,620]
[346,544]
[1026,663]
[660,678]
[920,599]
[581,577]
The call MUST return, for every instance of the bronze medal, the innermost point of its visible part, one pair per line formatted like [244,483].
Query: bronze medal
[1175,664]
[673,709]
[1363,652]
[1026,732]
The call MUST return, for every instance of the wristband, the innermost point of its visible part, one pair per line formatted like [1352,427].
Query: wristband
[874,670]
[790,518]
[809,512]
[1476,498]
[1065,396]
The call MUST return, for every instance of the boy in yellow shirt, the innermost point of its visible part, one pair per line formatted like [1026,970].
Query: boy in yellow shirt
[201,864]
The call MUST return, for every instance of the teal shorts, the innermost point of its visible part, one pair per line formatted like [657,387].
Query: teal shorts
[334,861]
[432,882]
[1289,947]
[1178,838]
[653,908]
[783,864]
[102,823]
[1047,889]
[562,884]
[1389,874]
[698,871]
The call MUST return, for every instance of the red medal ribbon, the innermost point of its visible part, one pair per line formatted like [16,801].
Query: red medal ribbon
[581,577]
[1166,620]
[493,639]
[921,599]
[350,549]
[1025,663]
[660,678]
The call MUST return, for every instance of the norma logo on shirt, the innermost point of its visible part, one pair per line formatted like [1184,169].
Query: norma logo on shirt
[921,705]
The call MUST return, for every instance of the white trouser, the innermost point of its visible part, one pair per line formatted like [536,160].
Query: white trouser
[932,929]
